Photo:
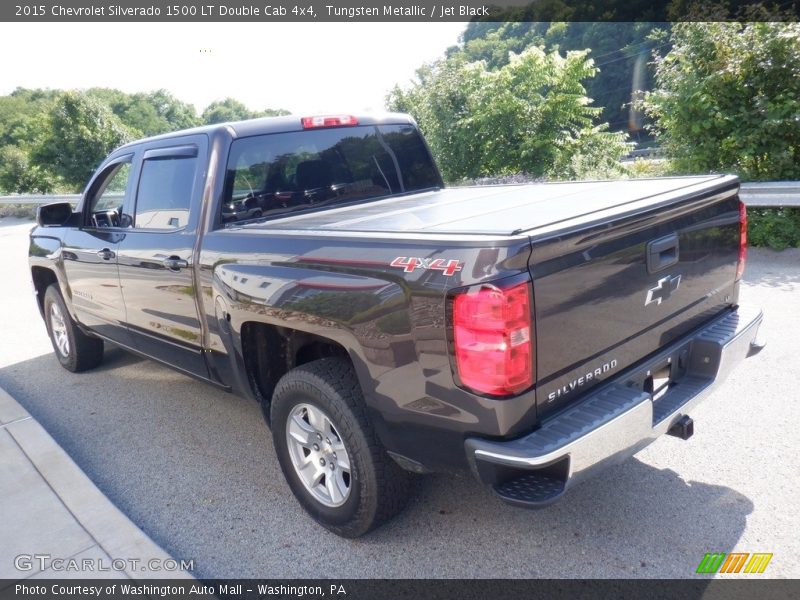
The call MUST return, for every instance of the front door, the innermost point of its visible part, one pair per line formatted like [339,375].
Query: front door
[90,254]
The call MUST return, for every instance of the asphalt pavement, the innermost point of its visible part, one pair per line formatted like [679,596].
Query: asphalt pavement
[195,469]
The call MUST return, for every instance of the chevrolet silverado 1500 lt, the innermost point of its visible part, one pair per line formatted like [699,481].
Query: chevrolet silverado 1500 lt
[388,325]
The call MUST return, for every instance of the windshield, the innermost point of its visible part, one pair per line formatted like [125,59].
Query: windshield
[271,175]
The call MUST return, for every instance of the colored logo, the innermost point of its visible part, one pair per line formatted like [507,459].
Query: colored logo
[735,562]
[410,263]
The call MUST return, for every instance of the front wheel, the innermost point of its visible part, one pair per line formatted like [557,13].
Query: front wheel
[75,350]
[329,452]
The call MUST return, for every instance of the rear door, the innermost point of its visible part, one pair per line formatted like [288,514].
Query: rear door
[90,252]
[156,256]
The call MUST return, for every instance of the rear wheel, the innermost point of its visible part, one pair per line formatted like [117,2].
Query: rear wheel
[75,350]
[329,452]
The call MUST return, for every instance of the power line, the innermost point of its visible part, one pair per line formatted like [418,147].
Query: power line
[626,48]
[598,65]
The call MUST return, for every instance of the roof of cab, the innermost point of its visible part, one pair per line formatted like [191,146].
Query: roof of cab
[265,125]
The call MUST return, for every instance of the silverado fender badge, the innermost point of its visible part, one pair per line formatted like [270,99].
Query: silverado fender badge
[663,290]
[410,263]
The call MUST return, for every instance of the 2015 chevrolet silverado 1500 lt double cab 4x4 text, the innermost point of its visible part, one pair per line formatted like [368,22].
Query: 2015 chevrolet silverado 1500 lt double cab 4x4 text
[386,325]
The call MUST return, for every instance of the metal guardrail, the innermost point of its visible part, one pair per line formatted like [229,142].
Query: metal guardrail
[37,199]
[758,194]
[651,152]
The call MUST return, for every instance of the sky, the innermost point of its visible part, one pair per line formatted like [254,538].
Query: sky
[306,68]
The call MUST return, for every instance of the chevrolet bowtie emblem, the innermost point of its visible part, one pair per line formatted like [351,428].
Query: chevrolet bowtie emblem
[663,290]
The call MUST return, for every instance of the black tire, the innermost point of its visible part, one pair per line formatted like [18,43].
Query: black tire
[378,487]
[81,352]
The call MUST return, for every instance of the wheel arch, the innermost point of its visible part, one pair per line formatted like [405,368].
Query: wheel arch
[270,351]
[42,277]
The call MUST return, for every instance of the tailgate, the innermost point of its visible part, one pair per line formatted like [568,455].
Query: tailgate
[610,292]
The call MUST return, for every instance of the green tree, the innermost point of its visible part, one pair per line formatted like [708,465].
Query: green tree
[728,98]
[229,109]
[531,115]
[177,114]
[77,134]
[150,113]
[19,113]
[19,176]
[620,49]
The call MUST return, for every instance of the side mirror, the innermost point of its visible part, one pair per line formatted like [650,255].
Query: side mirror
[54,215]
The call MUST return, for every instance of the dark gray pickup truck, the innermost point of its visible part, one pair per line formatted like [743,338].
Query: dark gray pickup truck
[389,326]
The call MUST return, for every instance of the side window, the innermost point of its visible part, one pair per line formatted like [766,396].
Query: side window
[165,192]
[105,207]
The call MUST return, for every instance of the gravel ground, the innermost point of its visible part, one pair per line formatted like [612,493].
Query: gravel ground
[195,469]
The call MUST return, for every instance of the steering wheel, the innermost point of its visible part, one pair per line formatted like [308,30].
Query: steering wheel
[108,218]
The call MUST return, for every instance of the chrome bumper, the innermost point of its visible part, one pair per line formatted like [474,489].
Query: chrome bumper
[615,421]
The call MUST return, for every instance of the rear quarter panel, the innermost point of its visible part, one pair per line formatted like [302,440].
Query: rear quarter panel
[390,321]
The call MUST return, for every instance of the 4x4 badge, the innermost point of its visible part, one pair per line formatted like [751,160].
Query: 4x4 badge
[662,291]
[410,263]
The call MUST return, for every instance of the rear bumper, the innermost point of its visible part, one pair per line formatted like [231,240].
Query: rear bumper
[618,419]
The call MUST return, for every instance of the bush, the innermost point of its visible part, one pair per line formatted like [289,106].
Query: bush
[530,116]
[727,98]
[777,228]
[20,211]
[642,167]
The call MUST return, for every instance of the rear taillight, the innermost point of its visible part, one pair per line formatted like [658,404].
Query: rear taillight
[493,339]
[329,121]
[742,240]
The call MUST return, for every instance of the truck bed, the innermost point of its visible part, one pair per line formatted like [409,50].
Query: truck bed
[500,210]
[589,244]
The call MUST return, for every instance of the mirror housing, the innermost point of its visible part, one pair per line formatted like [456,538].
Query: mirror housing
[56,214]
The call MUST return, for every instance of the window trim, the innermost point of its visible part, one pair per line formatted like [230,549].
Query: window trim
[164,153]
[187,151]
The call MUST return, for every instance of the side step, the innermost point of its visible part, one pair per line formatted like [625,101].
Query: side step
[530,490]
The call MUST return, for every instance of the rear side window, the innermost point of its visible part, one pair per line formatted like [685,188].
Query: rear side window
[276,174]
[165,193]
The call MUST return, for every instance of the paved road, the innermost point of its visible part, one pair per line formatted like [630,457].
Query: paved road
[195,469]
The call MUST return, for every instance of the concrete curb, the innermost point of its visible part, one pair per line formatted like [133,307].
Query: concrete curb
[51,493]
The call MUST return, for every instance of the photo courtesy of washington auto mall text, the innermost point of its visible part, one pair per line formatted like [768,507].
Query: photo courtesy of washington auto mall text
[390,300]
[191,589]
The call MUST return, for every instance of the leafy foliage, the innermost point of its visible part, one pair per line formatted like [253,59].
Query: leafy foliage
[531,115]
[147,114]
[79,133]
[51,140]
[777,228]
[728,99]
[620,50]
[19,176]
[230,109]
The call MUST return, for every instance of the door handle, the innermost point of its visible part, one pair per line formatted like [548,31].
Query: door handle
[662,253]
[175,263]
[106,254]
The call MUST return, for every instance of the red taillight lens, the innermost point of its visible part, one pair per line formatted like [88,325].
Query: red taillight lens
[329,121]
[492,335]
[742,240]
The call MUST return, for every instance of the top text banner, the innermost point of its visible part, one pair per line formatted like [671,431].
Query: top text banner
[390,11]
